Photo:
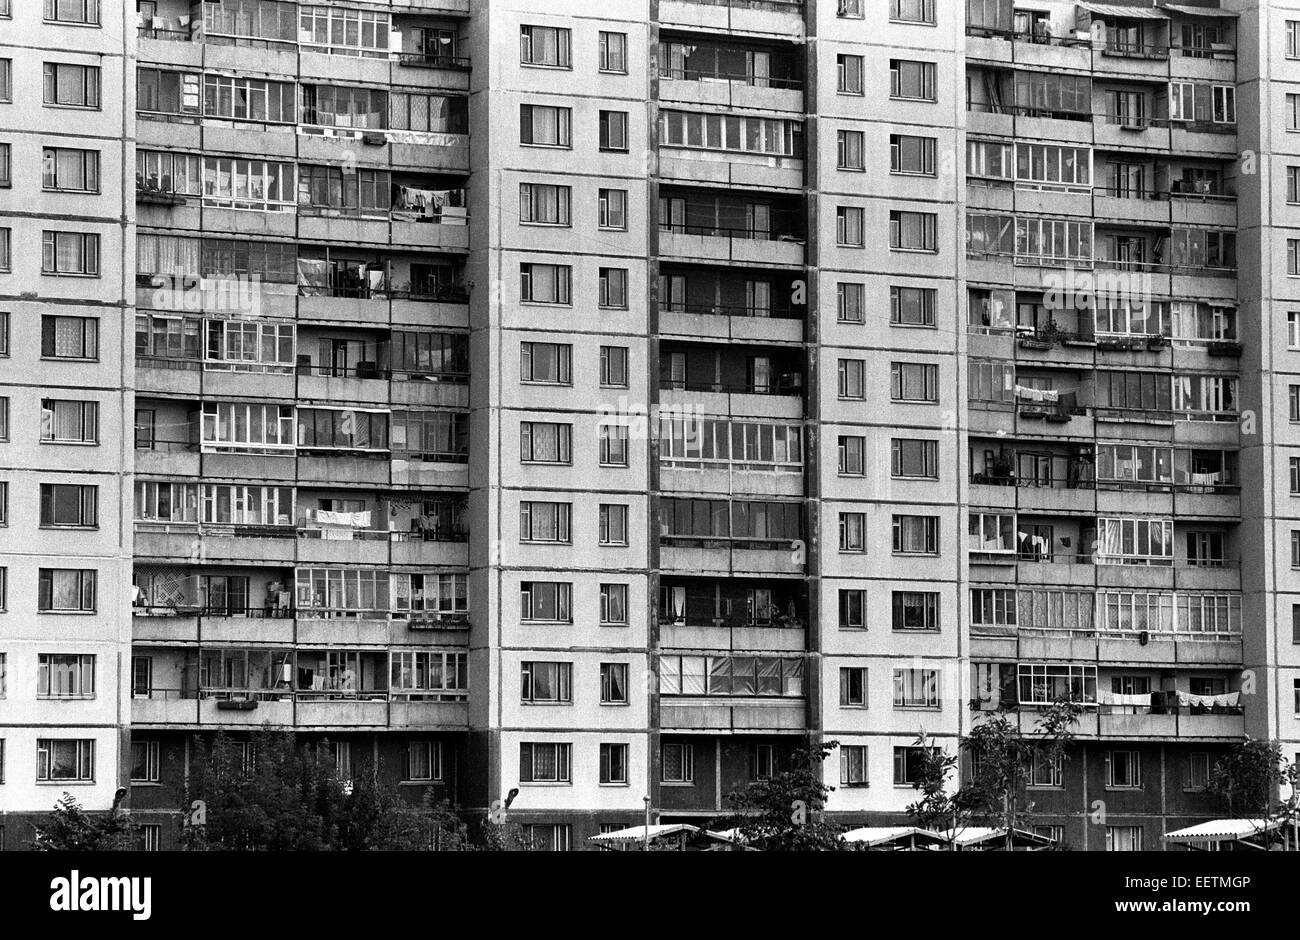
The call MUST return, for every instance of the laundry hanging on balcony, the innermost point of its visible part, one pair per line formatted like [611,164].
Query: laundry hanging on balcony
[444,205]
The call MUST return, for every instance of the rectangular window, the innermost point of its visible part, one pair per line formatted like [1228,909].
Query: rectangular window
[545,442]
[912,306]
[63,675]
[916,688]
[545,125]
[912,231]
[850,226]
[5,179]
[613,445]
[71,86]
[545,601]
[853,765]
[1293,39]
[613,131]
[853,609]
[69,422]
[545,46]
[912,156]
[852,379]
[677,763]
[915,611]
[912,11]
[853,532]
[613,288]
[64,169]
[914,459]
[546,682]
[6,80]
[5,257]
[912,80]
[613,763]
[914,382]
[1123,838]
[852,455]
[66,589]
[1123,770]
[4,335]
[544,522]
[544,203]
[613,524]
[916,535]
[849,69]
[70,253]
[849,150]
[909,765]
[613,683]
[65,760]
[613,605]
[66,504]
[423,760]
[544,763]
[545,283]
[853,687]
[546,363]
[613,367]
[69,337]
[613,52]
[851,302]
[612,207]
[85,12]
[144,762]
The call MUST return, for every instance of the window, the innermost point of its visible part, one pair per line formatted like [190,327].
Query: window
[740,133]
[912,11]
[544,203]
[545,601]
[64,169]
[4,503]
[1123,770]
[613,764]
[69,422]
[1199,768]
[853,687]
[613,131]
[915,611]
[613,683]
[545,283]
[916,535]
[853,765]
[613,288]
[1293,39]
[909,765]
[613,605]
[762,762]
[4,334]
[69,337]
[1046,770]
[546,363]
[911,80]
[61,675]
[71,86]
[676,763]
[4,418]
[544,45]
[545,125]
[849,150]
[849,9]
[1123,838]
[914,382]
[852,379]
[66,589]
[916,688]
[613,52]
[851,302]
[65,760]
[849,68]
[423,761]
[5,180]
[612,209]
[912,306]
[849,226]
[6,80]
[853,609]
[852,451]
[912,231]
[543,763]
[66,504]
[1047,683]
[544,522]
[912,156]
[853,532]
[545,442]
[5,258]
[613,445]
[613,524]
[613,367]
[542,683]
[70,253]
[72,11]
[914,459]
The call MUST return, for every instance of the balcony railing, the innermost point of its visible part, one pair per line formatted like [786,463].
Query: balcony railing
[776,388]
[733,78]
[776,312]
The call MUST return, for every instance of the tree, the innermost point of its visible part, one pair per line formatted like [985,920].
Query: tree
[1248,780]
[1003,756]
[936,809]
[276,796]
[69,828]
[783,813]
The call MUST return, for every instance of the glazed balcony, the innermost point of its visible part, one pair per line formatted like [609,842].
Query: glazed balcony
[716,714]
[779,19]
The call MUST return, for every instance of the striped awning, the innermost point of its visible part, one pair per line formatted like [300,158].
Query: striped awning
[1223,830]
[1130,13]
[1213,12]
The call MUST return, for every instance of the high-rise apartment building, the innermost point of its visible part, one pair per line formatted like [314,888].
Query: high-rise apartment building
[604,401]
